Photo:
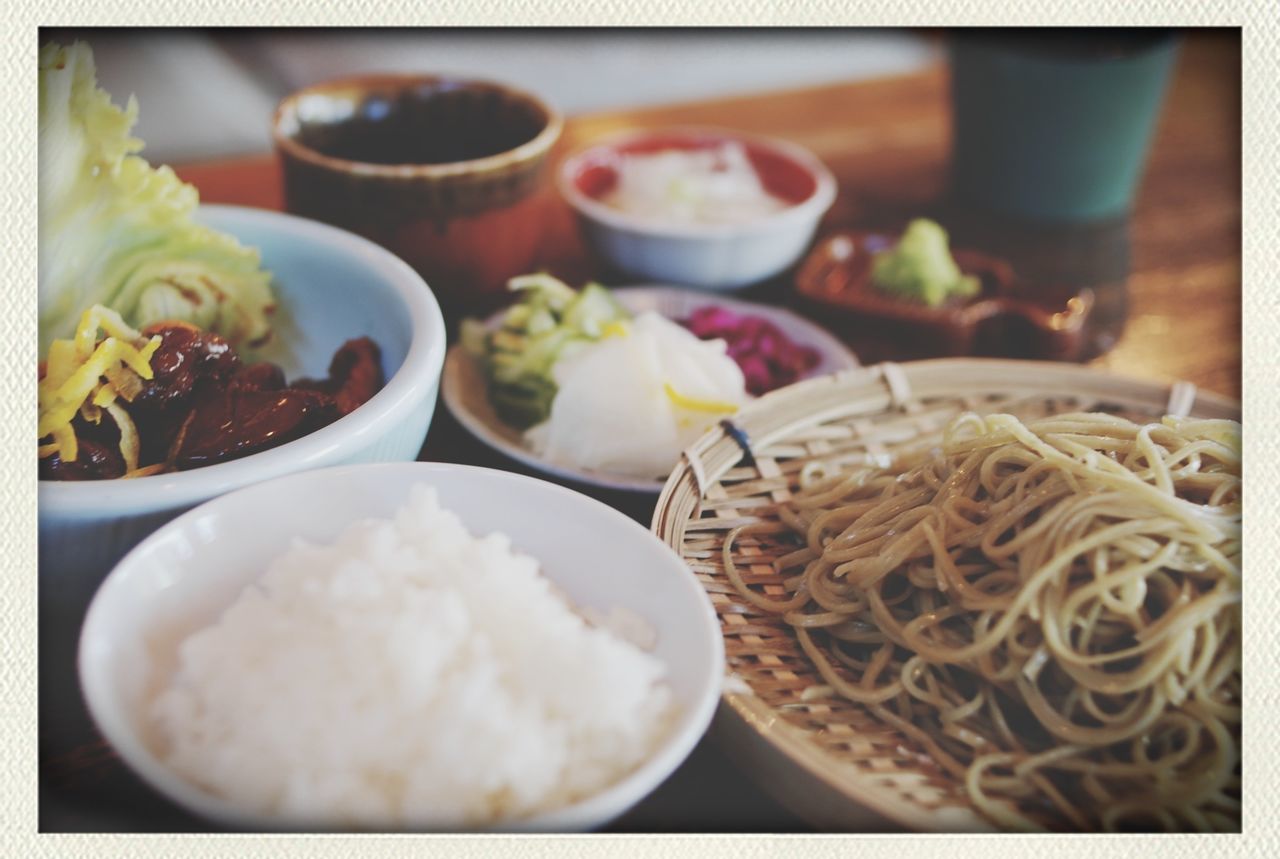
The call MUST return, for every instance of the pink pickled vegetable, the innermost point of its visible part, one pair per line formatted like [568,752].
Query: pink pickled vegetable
[768,358]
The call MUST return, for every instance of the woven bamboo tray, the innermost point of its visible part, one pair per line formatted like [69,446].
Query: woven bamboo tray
[827,758]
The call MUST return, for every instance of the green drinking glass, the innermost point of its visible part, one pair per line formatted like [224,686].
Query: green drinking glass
[1054,125]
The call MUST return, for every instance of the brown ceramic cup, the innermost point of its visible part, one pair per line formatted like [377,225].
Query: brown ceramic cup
[446,173]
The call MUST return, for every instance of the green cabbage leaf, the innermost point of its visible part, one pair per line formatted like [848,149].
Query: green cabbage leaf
[116,231]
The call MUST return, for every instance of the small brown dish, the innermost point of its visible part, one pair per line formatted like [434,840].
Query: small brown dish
[446,173]
[1002,320]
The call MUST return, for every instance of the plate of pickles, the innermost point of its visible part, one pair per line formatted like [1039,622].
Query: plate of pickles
[608,386]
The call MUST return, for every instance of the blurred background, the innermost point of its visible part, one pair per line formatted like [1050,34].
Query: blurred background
[578,71]
[1100,159]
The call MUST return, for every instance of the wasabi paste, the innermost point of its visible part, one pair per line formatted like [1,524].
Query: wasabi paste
[920,267]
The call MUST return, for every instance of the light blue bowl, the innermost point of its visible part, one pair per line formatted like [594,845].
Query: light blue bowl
[331,286]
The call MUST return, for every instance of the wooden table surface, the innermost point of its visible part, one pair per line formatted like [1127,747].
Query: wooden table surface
[1176,261]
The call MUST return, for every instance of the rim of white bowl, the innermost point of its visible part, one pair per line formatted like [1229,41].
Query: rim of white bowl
[421,368]
[810,208]
[592,811]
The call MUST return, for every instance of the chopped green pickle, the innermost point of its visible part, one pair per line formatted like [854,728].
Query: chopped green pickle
[548,323]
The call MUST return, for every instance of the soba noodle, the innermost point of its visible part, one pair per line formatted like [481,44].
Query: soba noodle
[1051,611]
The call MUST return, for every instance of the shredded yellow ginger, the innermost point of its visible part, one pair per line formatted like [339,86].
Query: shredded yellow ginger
[616,328]
[85,376]
[697,404]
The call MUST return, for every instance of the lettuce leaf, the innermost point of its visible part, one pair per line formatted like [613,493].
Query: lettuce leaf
[116,231]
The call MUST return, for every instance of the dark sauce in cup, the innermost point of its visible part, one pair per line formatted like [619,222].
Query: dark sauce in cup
[439,122]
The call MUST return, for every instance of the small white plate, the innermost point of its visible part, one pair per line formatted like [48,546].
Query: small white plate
[464,390]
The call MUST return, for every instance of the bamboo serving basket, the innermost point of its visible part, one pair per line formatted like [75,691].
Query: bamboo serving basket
[826,758]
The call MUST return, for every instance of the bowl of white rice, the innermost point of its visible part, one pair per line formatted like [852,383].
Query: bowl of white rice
[407,646]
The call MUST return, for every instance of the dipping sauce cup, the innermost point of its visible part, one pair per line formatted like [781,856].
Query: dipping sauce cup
[446,173]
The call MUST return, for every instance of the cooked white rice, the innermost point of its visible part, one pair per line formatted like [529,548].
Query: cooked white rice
[410,674]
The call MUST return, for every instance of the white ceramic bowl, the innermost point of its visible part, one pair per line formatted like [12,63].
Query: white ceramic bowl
[184,574]
[709,256]
[331,286]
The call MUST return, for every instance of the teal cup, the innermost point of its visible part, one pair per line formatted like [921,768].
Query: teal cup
[1053,125]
